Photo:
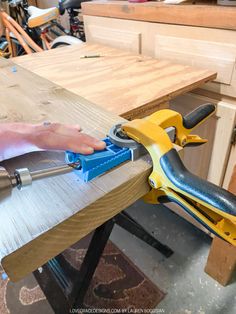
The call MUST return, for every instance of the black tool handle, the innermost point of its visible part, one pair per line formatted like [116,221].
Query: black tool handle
[193,118]
[205,192]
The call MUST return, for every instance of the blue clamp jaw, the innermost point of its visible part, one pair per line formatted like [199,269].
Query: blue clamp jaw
[91,166]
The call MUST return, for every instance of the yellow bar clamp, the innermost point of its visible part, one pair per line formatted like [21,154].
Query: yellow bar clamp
[212,206]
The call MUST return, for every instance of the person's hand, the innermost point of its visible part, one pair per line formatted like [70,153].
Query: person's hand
[56,136]
[21,138]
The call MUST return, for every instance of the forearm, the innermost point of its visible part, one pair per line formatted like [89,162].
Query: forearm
[17,139]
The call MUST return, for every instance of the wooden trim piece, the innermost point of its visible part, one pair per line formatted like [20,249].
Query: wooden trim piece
[194,15]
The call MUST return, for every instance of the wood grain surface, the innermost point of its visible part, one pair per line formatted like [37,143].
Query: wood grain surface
[43,220]
[126,84]
[184,14]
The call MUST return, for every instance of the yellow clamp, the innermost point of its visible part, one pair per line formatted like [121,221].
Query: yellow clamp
[150,132]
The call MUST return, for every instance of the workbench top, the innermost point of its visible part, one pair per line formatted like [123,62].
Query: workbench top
[43,220]
[204,14]
[126,84]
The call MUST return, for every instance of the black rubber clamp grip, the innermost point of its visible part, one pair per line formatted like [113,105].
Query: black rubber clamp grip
[193,118]
[203,190]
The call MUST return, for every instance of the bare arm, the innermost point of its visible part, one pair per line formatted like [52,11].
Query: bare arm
[20,138]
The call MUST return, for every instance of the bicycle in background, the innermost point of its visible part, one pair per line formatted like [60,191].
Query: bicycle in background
[73,9]
[29,29]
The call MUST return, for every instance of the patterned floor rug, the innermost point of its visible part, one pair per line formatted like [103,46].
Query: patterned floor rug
[117,284]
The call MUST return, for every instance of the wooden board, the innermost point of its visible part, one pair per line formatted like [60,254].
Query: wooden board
[151,11]
[43,220]
[126,84]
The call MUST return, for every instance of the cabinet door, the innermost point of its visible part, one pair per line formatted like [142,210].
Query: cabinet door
[112,33]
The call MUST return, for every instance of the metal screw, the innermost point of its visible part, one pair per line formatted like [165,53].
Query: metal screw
[152,183]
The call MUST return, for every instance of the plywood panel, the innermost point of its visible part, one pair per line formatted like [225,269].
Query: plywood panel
[121,82]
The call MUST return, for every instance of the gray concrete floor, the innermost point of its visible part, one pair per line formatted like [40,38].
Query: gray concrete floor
[189,290]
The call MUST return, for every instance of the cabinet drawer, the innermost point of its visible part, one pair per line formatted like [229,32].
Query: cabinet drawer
[117,38]
[216,56]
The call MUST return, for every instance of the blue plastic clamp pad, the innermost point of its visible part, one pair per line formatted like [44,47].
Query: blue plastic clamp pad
[91,166]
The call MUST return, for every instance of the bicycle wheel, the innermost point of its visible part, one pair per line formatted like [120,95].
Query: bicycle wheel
[4,48]
[59,44]
[4,51]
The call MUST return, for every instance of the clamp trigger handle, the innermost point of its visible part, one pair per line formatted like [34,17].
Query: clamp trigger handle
[197,116]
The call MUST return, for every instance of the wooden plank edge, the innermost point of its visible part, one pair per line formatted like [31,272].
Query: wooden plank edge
[151,107]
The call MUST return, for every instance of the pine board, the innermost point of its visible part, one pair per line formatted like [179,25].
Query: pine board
[126,84]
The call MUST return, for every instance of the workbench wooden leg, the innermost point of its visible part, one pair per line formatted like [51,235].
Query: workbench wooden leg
[221,262]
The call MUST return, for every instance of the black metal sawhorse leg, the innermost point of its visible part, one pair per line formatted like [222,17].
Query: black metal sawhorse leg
[125,221]
[65,287]
[65,292]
